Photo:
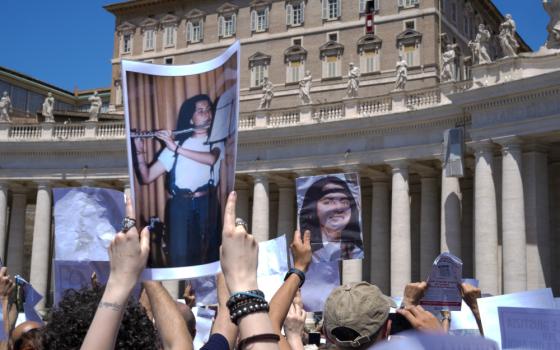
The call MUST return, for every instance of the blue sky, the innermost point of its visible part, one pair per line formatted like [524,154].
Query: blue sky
[69,43]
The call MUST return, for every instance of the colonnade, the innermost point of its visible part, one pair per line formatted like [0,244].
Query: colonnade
[501,227]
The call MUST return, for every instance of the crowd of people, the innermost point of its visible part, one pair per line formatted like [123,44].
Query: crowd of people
[356,316]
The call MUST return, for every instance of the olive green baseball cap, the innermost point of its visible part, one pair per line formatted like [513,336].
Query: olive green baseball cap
[354,313]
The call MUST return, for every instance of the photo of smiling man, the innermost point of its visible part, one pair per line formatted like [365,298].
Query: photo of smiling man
[329,207]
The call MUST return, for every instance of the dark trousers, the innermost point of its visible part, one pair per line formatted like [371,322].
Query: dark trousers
[193,225]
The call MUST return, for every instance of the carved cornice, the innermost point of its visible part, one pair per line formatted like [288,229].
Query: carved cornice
[409,36]
[126,28]
[510,100]
[227,8]
[369,42]
[259,58]
[195,14]
[295,53]
[331,48]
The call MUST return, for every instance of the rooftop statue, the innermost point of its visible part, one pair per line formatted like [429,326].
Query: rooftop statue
[5,108]
[506,38]
[305,88]
[95,107]
[48,108]
[353,81]
[552,7]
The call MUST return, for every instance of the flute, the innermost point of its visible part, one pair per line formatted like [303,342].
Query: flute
[149,134]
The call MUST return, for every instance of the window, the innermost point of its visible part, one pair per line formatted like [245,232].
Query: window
[259,20]
[409,25]
[369,61]
[409,54]
[297,41]
[258,65]
[127,43]
[168,60]
[331,9]
[295,14]
[332,36]
[294,71]
[331,63]
[226,25]
[363,5]
[408,3]
[169,36]
[258,73]
[149,40]
[195,31]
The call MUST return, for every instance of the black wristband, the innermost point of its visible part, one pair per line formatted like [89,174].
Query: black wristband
[176,149]
[298,272]
[267,337]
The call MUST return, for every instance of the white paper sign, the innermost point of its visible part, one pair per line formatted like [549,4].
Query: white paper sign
[426,341]
[320,279]
[443,284]
[203,328]
[488,308]
[528,328]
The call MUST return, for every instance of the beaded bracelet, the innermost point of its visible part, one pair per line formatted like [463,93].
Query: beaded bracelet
[239,296]
[247,307]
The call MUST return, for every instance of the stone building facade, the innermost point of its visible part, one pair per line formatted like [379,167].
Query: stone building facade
[500,217]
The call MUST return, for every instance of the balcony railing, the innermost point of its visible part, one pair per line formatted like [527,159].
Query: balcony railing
[367,107]
[62,132]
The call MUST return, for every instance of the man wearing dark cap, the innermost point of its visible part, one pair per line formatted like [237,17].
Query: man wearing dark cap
[356,315]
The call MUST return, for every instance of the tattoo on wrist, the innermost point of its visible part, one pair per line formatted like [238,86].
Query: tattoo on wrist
[112,306]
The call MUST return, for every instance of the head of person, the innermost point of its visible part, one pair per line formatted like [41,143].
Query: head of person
[330,210]
[68,322]
[196,111]
[27,336]
[189,318]
[356,315]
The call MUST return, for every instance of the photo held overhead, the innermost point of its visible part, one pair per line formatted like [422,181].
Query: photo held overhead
[181,124]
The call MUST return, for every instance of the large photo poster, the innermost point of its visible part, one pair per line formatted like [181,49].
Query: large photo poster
[329,206]
[181,126]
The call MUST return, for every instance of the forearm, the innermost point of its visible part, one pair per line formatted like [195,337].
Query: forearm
[476,315]
[6,316]
[293,342]
[206,158]
[170,324]
[143,168]
[103,331]
[255,324]
[280,303]
[225,327]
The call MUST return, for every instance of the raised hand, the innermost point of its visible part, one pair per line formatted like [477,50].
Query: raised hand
[413,292]
[421,319]
[7,284]
[239,252]
[301,250]
[128,253]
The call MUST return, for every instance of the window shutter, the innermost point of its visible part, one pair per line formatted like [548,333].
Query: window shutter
[253,20]
[201,24]
[401,3]
[302,12]
[338,8]
[266,18]
[221,26]
[325,12]
[234,23]
[325,68]
[376,5]
[189,32]
[289,15]
[362,6]
[301,70]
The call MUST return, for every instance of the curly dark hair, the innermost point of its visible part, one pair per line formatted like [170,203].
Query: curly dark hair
[68,323]
[308,219]
[186,112]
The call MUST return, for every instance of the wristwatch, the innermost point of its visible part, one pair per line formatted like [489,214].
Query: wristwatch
[298,272]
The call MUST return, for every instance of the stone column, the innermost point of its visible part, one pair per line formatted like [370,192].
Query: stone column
[260,225]
[380,235]
[242,204]
[3,220]
[554,177]
[513,217]
[485,219]
[351,271]
[429,228]
[14,255]
[400,229]
[450,214]
[286,211]
[40,253]
[535,183]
